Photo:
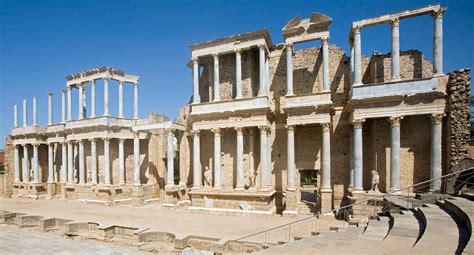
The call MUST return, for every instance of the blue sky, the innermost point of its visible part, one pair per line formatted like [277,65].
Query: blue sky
[43,41]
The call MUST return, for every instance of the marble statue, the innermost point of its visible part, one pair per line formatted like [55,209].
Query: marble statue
[375,180]
[207,177]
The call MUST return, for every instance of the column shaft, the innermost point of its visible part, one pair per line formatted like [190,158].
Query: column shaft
[289,69]
[17,163]
[196,97]
[36,177]
[121,162]
[63,176]
[326,156]
[135,101]
[357,57]
[136,159]
[436,136]
[93,98]
[82,170]
[70,163]
[93,161]
[358,154]
[291,157]
[217,158]
[63,106]
[80,109]
[263,157]
[50,163]
[262,89]
[438,43]
[25,114]
[325,49]
[216,78]
[50,108]
[106,170]
[170,158]
[351,165]
[197,174]
[120,94]
[238,74]
[26,164]
[240,159]
[395,49]
[395,154]
[35,112]
[15,116]
[352,63]
[106,97]
[69,103]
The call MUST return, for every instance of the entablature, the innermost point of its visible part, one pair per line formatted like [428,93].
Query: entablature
[235,105]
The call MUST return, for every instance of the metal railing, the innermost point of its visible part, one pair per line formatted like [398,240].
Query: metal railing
[450,184]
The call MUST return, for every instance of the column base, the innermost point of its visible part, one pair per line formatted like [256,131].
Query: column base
[291,203]
[239,189]
[51,190]
[326,200]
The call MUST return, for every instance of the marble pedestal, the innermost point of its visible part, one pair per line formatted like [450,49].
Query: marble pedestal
[51,188]
[292,201]
[326,200]
[175,195]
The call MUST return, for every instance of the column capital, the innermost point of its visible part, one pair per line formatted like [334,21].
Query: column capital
[438,14]
[261,46]
[289,46]
[395,120]
[264,129]
[195,132]
[121,141]
[170,131]
[79,141]
[395,21]
[326,126]
[63,91]
[216,131]
[356,29]
[290,128]
[325,39]
[215,56]
[120,82]
[437,118]
[135,84]
[92,82]
[107,78]
[238,51]
[92,140]
[106,139]
[35,145]
[50,94]
[358,123]
[195,60]
[239,130]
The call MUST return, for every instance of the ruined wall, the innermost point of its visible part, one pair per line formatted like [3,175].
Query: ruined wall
[458,128]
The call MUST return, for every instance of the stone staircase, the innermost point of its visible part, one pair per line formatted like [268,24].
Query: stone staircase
[443,227]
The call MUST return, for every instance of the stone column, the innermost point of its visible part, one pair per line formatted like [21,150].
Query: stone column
[69,103]
[36,177]
[326,156]
[351,165]
[289,69]
[291,158]
[395,22]
[357,57]
[92,98]
[50,108]
[436,136]
[80,109]
[70,163]
[196,97]
[26,164]
[240,183]
[120,99]
[325,49]
[170,157]
[395,154]
[106,170]
[106,97]
[438,42]
[93,161]
[136,159]
[352,62]
[269,157]
[216,78]
[35,112]
[50,163]
[82,170]
[197,174]
[358,159]
[238,74]
[17,163]
[263,157]
[121,162]
[15,116]
[63,106]
[63,163]
[217,158]
[135,100]
[262,89]
[25,114]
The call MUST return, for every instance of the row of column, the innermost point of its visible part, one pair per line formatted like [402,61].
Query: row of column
[289,66]
[356,69]
[435,166]
[67,162]
[325,157]
[263,71]
[25,114]
[265,159]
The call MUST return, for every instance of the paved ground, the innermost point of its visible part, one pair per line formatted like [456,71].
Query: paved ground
[17,241]
[153,216]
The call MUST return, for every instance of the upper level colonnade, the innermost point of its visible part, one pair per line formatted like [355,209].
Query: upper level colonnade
[232,45]
[84,81]
[394,20]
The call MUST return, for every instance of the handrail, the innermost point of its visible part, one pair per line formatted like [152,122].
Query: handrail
[356,203]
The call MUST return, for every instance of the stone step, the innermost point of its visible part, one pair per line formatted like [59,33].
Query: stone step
[404,232]
[463,210]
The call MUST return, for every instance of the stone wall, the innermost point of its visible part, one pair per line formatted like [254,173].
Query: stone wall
[9,168]
[459,92]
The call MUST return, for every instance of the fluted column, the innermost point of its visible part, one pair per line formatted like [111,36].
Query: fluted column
[269,158]
[82,170]
[196,97]
[35,112]
[358,157]
[63,176]
[17,163]
[357,57]
[50,108]
[121,162]
[326,156]
[70,163]
[216,78]
[120,99]
[106,166]
[325,49]
[69,103]
[25,114]
[106,97]
[240,159]
[197,174]
[92,99]
[80,109]
[395,154]
[26,164]
[436,140]
[93,161]
[170,157]
[136,159]
[351,164]
[438,42]
[263,157]
[15,116]
[351,67]
[289,69]
[395,58]
[50,163]
[238,73]
[63,106]
[291,158]
[262,89]
[36,177]
[135,100]
[217,158]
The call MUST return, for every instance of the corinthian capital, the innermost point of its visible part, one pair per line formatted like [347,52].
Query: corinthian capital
[395,121]
[358,123]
